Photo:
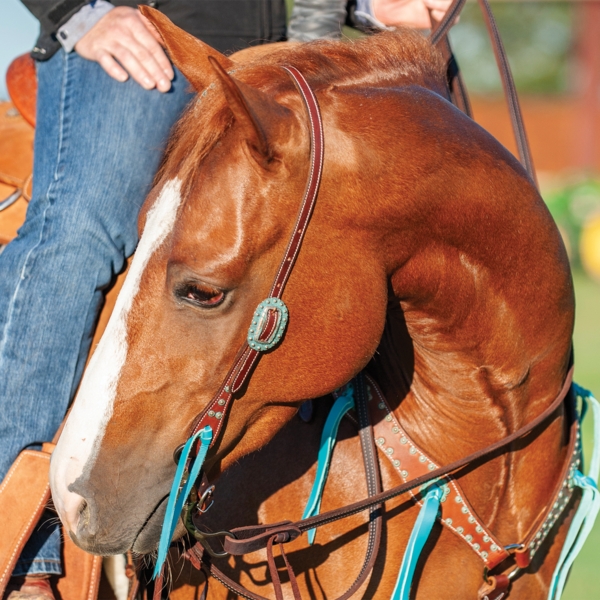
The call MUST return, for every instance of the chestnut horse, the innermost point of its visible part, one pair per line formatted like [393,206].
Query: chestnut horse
[430,257]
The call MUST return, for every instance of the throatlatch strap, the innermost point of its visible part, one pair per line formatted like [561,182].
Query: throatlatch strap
[421,530]
[179,493]
[341,406]
[586,514]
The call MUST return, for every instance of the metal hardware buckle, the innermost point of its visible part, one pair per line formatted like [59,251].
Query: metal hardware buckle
[511,549]
[259,321]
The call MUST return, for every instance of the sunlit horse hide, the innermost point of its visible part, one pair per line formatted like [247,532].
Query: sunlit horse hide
[430,257]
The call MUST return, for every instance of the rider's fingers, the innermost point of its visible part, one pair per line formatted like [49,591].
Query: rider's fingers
[148,63]
[438,4]
[438,15]
[439,8]
[146,39]
[152,29]
[112,67]
[133,66]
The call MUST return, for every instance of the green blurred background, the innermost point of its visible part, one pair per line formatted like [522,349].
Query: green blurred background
[545,42]
[554,50]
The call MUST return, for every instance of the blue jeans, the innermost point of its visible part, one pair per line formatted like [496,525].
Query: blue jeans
[98,144]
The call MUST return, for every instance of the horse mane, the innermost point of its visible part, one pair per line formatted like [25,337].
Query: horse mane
[387,59]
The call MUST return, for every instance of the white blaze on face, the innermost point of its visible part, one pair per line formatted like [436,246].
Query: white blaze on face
[94,403]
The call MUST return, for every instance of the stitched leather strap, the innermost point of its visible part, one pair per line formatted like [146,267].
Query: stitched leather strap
[409,461]
[510,91]
[561,496]
[369,452]
[214,414]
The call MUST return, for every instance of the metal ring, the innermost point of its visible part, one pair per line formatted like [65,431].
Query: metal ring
[513,573]
[177,453]
[11,199]
[208,492]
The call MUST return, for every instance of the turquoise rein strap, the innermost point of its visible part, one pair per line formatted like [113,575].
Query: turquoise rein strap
[178,494]
[340,407]
[423,525]
[586,514]
[427,514]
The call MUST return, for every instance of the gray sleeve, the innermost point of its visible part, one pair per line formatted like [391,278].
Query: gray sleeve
[365,15]
[316,19]
[81,22]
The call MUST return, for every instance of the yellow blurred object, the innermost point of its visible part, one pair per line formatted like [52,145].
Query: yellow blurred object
[589,246]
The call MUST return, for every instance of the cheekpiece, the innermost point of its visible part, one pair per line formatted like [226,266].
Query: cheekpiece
[260,321]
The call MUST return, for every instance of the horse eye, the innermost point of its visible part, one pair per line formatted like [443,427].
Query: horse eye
[202,295]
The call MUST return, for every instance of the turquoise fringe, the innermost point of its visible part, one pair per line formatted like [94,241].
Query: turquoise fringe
[588,508]
[177,497]
[341,406]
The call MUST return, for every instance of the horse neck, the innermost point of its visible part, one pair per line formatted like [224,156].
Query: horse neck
[469,352]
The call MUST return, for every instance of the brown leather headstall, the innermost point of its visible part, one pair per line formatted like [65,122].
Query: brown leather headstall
[270,319]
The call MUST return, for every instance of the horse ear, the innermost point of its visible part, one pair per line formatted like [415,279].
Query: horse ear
[258,114]
[185,50]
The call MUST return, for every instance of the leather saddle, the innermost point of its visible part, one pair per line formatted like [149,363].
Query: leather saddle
[17,122]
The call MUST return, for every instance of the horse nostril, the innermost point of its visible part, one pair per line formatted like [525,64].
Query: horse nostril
[83,514]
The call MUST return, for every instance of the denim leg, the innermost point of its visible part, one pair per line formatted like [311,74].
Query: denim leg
[98,144]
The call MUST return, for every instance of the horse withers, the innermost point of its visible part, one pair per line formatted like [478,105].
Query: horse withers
[430,257]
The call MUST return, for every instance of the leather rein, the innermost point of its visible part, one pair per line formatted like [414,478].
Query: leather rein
[266,331]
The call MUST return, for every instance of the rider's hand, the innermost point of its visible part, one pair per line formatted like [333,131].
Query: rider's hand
[411,13]
[121,34]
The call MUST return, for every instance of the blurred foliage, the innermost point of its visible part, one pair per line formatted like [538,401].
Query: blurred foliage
[538,37]
[572,206]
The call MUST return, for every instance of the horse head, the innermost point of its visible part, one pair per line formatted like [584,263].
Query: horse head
[212,233]
[425,228]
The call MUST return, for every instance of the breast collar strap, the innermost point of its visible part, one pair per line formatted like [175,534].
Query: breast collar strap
[272,319]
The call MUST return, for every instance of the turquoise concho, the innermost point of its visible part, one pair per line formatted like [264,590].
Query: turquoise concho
[259,321]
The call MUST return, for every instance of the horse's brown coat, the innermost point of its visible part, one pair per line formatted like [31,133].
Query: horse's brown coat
[428,243]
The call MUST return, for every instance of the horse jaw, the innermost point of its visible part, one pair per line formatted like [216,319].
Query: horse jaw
[76,450]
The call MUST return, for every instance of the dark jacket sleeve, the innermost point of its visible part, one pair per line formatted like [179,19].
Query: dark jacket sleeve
[51,14]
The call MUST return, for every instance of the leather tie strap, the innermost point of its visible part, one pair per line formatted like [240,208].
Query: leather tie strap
[214,414]
[275,573]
